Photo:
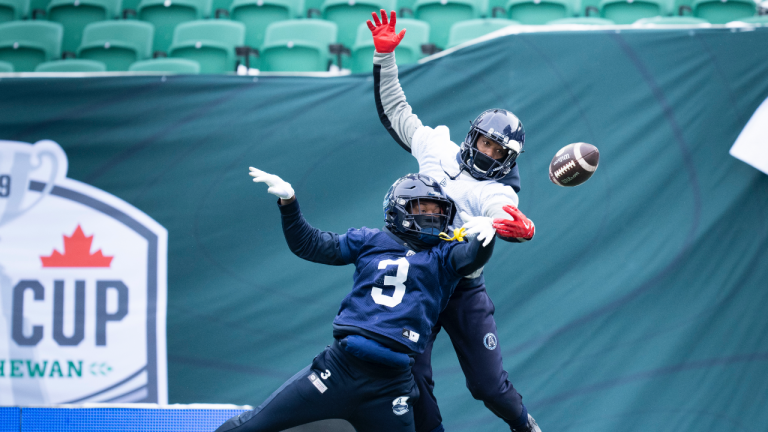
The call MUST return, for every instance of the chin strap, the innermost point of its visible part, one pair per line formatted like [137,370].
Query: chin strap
[458,235]
[461,168]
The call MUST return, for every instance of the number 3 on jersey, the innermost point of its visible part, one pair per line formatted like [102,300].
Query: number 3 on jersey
[397,281]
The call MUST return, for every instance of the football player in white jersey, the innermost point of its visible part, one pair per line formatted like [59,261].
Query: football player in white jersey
[481,177]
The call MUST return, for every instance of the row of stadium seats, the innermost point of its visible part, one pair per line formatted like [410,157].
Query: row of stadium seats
[323,8]
[216,46]
[172,65]
[292,45]
[165,15]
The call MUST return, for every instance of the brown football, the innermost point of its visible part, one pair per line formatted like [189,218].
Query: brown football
[574,164]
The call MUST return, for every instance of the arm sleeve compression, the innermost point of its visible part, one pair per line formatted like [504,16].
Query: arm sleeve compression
[469,257]
[394,112]
[308,242]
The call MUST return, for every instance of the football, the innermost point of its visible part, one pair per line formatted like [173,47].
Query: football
[574,164]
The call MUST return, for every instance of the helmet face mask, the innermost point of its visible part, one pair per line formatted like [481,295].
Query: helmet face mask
[502,127]
[407,195]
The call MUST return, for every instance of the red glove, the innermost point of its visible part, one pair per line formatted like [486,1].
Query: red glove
[384,37]
[520,228]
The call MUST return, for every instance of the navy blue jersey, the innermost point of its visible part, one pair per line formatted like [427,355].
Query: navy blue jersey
[398,290]
[397,293]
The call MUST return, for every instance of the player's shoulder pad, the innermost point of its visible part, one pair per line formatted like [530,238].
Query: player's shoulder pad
[422,133]
[366,232]
[437,134]
[442,131]
[353,241]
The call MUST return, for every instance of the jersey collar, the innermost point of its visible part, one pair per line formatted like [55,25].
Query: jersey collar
[404,243]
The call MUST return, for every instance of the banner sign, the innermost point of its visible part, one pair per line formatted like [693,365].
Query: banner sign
[640,305]
[752,144]
[83,282]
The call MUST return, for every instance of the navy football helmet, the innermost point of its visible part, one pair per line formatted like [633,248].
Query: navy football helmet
[421,229]
[501,126]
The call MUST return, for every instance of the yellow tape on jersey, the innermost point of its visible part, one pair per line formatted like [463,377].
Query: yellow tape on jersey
[458,235]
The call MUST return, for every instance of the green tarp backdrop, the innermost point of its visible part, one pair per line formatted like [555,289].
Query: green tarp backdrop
[640,305]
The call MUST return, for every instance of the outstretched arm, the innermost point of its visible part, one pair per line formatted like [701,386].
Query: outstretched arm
[303,239]
[514,227]
[469,257]
[499,202]
[394,112]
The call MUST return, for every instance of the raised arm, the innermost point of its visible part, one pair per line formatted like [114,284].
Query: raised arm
[303,239]
[394,112]
[306,241]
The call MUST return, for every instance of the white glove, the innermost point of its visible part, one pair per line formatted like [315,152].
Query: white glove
[532,424]
[530,427]
[480,225]
[277,186]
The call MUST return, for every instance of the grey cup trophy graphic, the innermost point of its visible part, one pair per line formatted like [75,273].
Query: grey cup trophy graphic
[27,175]
[57,341]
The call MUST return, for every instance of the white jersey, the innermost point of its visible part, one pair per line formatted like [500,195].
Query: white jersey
[433,148]
[436,154]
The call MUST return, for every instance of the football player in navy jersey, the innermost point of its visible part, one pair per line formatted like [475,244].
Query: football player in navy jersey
[404,275]
[481,177]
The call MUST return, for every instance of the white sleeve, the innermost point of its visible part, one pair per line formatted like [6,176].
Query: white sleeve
[394,112]
[494,196]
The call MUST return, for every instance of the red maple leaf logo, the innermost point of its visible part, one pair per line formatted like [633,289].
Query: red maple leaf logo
[77,253]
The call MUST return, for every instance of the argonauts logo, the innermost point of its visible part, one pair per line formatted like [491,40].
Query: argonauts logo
[400,405]
[83,287]
[490,342]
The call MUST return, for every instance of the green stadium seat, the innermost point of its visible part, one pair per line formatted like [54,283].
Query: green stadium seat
[348,14]
[591,8]
[25,44]
[723,11]
[582,21]
[129,8]
[257,15]
[298,45]
[629,11]
[313,7]
[169,65]
[13,10]
[219,7]
[71,65]
[442,14]
[117,44]
[5,67]
[541,11]
[74,15]
[670,20]
[405,8]
[38,8]
[681,7]
[409,50]
[757,19]
[211,43]
[165,15]
[467,30]
[497,8]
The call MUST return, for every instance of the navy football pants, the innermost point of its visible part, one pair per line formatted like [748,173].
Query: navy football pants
[373,398]
[468,319]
